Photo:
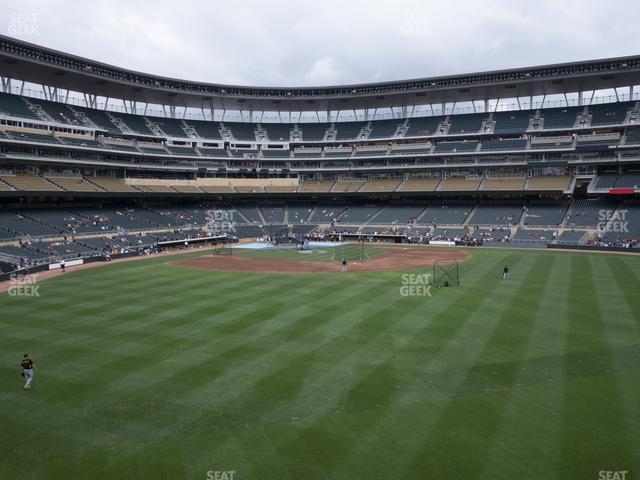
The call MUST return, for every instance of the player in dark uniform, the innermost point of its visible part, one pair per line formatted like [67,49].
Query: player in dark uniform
[505,272]
[27,370]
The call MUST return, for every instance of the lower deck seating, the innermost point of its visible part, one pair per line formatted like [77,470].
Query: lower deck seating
[544,215]
[571,237]
[446,214]
[588,212]
[358,214]
[496,215]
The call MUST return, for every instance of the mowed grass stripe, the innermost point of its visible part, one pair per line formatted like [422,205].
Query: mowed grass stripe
[584,452]
[528,439]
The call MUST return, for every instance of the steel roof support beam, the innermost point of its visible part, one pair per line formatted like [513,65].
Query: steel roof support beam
[6,84]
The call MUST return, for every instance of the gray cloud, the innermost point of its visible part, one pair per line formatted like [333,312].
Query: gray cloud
[309,43]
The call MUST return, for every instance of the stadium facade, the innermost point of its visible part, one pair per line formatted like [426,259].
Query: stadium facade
[535,156]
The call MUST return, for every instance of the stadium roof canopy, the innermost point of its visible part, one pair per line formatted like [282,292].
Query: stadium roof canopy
[36,64]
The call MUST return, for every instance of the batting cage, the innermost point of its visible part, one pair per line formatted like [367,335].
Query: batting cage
[446,274]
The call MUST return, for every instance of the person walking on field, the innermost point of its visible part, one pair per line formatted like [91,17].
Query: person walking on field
[27,370]
[344,265]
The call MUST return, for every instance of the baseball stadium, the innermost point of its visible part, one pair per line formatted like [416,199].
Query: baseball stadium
[425,278]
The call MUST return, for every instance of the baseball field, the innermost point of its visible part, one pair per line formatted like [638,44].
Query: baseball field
[158,369]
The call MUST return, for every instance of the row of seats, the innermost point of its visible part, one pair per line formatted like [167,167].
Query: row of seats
[512,122]
[29,182]
[81,221]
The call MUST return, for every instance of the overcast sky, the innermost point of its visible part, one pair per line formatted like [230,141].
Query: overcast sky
[286,43]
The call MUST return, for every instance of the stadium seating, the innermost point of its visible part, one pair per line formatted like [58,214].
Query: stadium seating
[455,147]
[113,184]
[496,215]
[524,235]
[509,144]
[314,131]
[348,130]
[170,126]
[326,213]
[57,111]
[496,184]
[609,113]
[419,185]
[22,224]
[308,152]
[467,123]
[278,132]
[446,214]
[347,186]
[242,131]
[448,233]
[544,215]
[14,106]
[571,237]
[557,118]
[397,215]
[548,183]
[273,214]
[587,212]
[205,129]
[251,214]
[75,184]
[423,126]
[275,153]
[633,136]
[299,213]
[99,118]
[607,180]
[358,214]
[459,184]
[380,185]
[512,122]
[29,135]
[628,180]
[319,187]
[28,182]
[384,128]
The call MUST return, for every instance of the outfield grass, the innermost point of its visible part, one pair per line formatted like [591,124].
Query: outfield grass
[154,371]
